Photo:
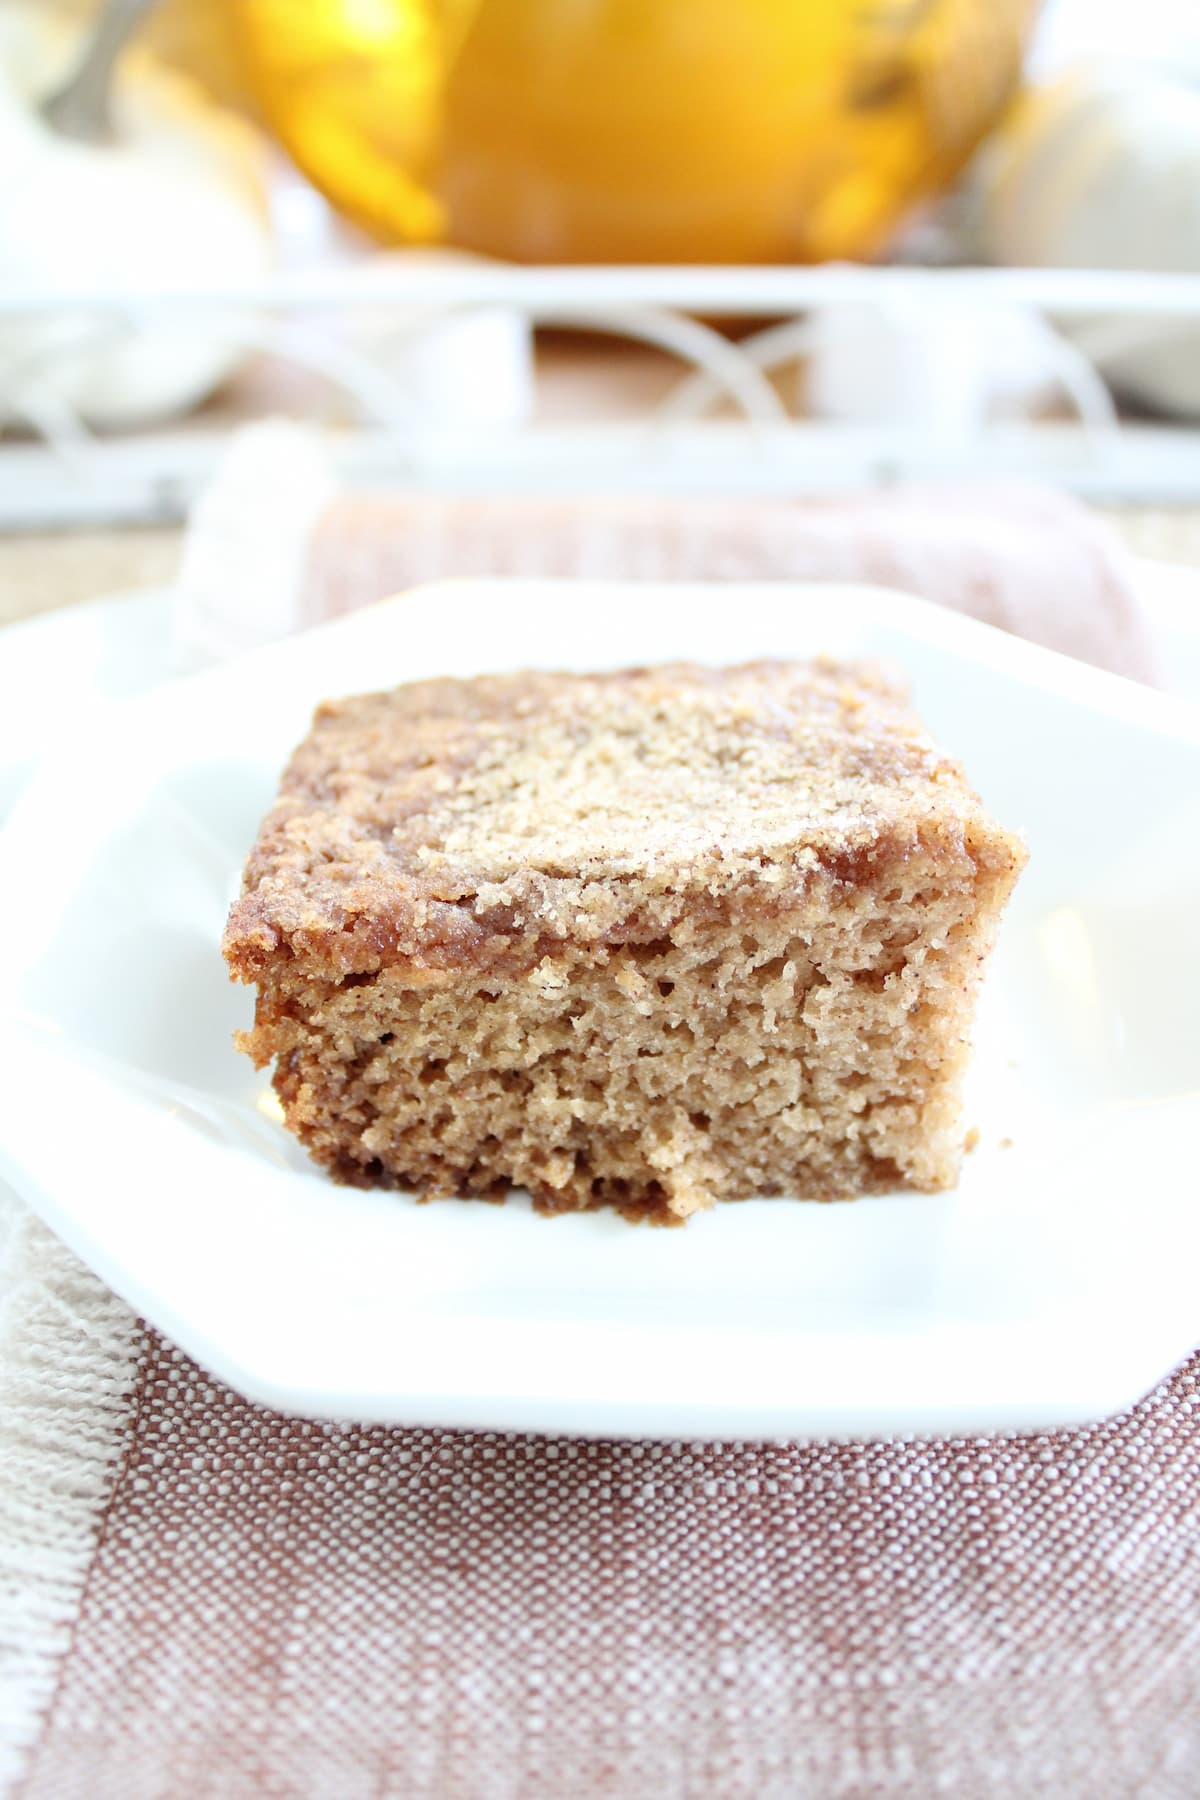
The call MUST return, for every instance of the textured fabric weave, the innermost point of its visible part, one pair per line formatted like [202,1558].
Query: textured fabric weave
[280,1608]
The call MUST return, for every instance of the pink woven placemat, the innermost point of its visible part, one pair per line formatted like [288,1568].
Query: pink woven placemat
[202,1598]
[277,1608]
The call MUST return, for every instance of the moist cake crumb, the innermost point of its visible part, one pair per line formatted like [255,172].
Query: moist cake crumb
[648,939]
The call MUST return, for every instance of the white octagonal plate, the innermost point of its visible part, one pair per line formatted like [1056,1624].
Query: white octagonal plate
[1054,1285]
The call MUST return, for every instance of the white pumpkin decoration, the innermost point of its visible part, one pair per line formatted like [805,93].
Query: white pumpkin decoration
[178,199]
[1102,170]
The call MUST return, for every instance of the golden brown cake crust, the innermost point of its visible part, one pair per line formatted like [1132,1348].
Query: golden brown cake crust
[644,939]
[450,823]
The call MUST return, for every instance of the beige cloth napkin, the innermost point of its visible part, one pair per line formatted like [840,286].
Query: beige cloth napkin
[272,546]
[200,1598]
[1024,558]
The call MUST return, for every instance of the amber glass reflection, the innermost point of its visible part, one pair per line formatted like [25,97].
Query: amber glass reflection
[634,130]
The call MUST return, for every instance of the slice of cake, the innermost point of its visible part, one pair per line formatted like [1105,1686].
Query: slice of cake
[649,939]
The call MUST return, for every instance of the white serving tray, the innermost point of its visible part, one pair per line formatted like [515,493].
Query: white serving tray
[1054,1285]
[311,319]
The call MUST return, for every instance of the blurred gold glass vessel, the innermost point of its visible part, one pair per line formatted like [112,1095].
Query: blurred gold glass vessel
[632,130]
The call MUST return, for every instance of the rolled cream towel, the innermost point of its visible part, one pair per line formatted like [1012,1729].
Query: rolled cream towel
[1026,559]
